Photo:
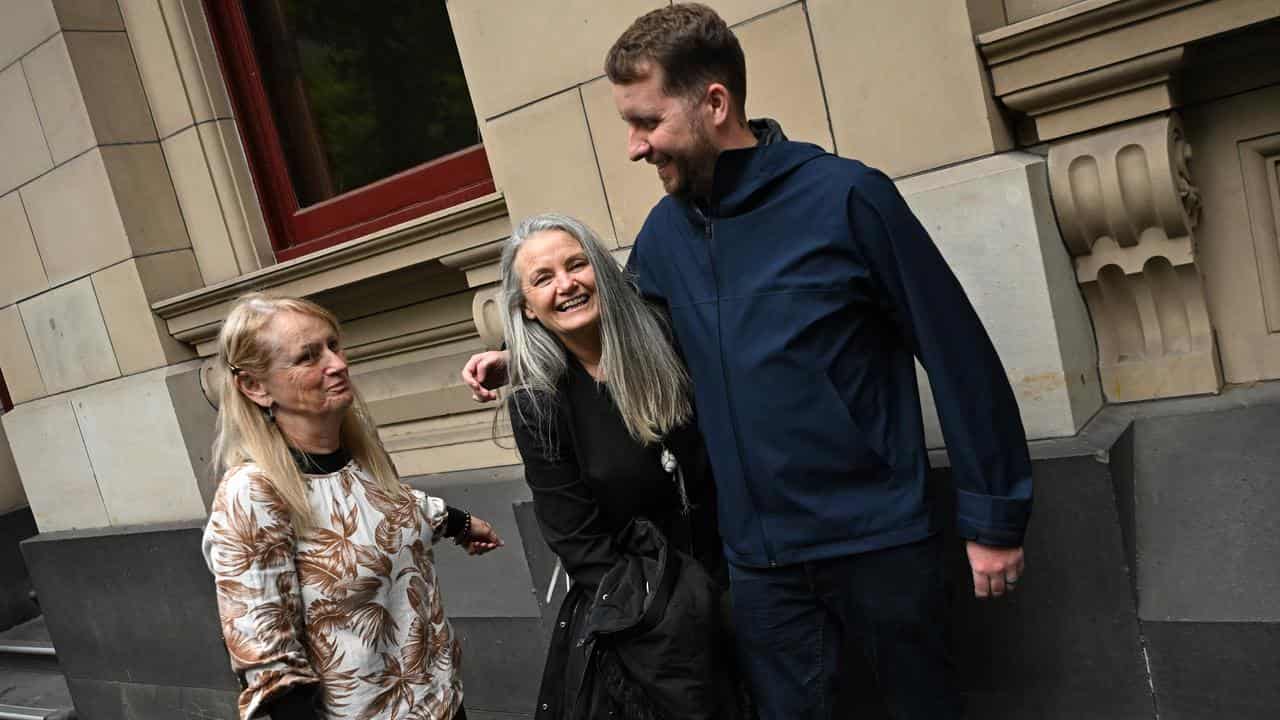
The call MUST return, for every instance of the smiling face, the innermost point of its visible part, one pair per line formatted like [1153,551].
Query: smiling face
[558,284]
[669,133]
[308,381]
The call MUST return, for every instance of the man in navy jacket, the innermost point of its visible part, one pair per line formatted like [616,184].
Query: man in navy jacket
[801,290]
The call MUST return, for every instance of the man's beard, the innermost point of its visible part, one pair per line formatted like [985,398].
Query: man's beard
[695,169]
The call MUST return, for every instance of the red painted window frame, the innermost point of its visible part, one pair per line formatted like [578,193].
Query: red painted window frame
[6,402]
[295,231]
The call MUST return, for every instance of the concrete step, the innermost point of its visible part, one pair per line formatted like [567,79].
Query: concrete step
[17,712]
[32,686]
[27,647]
[28,695]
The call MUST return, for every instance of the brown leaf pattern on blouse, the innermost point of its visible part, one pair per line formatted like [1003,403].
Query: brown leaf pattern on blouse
[352,605]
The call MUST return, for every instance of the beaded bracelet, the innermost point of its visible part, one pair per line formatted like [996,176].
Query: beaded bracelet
[465,533]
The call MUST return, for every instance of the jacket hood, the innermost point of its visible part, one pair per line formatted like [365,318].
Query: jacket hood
[742,175]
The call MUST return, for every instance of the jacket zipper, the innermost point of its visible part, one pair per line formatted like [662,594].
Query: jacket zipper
[724,373]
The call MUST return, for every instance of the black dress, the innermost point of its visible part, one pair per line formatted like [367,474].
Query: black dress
[589,479]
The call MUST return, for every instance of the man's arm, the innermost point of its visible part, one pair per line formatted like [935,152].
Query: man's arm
[980,419]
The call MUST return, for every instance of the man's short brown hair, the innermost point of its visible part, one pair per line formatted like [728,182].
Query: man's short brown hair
[693,46]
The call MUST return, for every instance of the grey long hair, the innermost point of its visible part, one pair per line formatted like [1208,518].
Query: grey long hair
[643,374]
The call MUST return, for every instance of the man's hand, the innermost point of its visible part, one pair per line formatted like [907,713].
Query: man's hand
[484,373]
[996,570]
[481,538]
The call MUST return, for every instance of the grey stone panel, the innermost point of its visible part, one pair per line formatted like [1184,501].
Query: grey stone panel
[197,420]
[1066,644]
[502,660]
[1208,515]
[498,584]
[107,700]
[1121,462]
[131,606]
[550,585]
[34,689]
[1215,670]
[15,584]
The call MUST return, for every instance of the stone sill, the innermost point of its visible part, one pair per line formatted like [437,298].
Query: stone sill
[462,237]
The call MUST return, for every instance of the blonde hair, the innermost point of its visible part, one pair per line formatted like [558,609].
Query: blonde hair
[245,433]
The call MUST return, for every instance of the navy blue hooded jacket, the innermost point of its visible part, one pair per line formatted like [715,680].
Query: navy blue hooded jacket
[799,297]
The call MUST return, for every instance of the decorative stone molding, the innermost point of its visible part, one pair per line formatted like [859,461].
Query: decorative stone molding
[1131,89]
[486,308]
[479,263]
[1127,208]
[1095,63]
[478,225]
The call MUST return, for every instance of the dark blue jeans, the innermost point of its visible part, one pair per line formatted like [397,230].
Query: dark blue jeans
[796,623]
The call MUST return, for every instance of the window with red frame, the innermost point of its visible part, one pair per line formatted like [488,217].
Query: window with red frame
[6,402]
[355,115]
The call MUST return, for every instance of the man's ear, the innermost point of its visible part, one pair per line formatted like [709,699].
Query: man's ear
[252,389]
[719,103]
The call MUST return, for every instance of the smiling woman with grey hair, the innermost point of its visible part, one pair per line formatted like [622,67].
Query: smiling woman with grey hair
[600,409]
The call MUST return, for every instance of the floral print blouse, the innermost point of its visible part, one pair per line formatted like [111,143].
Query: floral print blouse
[353,604]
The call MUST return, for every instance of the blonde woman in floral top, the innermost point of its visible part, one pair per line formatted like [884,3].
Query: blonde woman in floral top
[326,588]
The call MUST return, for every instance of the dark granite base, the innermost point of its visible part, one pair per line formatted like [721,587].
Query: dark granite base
[133,616]
[1207,489]
[15,584]
[1066,644]
[107,700]
[131,606]
[1215,670]
[502,661]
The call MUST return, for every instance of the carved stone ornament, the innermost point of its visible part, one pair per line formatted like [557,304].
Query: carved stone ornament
[486,310]
[1127,208]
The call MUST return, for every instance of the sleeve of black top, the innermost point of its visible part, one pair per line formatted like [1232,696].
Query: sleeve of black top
[300,702]
[566,509]
[980,419]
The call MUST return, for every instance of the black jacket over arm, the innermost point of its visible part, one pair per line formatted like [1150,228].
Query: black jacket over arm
[591,484]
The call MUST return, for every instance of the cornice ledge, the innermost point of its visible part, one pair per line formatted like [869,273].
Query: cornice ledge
[1095,84]
[489,207]
[1068,24]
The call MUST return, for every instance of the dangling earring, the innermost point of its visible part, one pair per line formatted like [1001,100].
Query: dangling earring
[271,412]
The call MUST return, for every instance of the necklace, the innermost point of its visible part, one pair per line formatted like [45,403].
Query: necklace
[672,467]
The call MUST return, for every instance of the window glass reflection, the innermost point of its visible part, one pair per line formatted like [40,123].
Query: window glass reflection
[360,90]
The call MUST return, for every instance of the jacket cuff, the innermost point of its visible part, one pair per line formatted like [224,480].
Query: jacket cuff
[992,519]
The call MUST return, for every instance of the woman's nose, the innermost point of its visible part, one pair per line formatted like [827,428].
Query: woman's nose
[565,282]
[337,362]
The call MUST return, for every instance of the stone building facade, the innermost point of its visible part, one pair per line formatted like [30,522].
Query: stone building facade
[1102,175]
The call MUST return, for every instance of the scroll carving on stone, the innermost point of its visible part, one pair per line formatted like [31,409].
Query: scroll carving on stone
[1127,207]
[486,309]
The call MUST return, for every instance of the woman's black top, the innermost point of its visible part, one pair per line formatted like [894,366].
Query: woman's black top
[589,478]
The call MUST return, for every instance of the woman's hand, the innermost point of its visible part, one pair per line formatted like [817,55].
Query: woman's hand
[481,538]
